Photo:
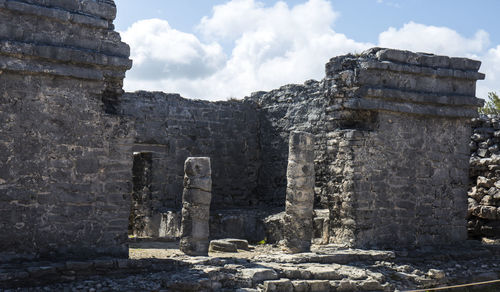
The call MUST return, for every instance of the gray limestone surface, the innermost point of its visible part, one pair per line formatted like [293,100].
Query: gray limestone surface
[173,128]
[196,200]
[298,219]
[64,187]
[391,130]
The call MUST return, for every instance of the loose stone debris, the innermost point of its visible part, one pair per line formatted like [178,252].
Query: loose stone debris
[265,268]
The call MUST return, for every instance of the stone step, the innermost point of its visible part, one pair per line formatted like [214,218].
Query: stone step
[325,256]
[253,276]
[325,272]
[286,285]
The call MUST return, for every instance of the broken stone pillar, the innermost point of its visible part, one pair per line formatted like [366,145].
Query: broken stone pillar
[298,227]
[196,200]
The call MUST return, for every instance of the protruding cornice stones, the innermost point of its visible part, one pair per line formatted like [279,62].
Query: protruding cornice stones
[407,82]
[66,38]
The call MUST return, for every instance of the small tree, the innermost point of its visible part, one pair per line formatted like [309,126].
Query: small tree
[492,106]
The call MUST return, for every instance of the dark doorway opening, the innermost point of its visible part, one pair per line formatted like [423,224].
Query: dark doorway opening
[141,210]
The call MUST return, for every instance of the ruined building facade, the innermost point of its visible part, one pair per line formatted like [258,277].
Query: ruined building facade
[81,162]
[65,182]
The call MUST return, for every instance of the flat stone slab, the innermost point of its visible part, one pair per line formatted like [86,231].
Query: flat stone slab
[240,243]
[258,275]
[329,257]
[281,285]
[222,245]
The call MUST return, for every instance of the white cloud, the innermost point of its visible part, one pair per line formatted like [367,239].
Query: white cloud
[445,41]
[491,67]
[161,52]
[438,40]
[273,46]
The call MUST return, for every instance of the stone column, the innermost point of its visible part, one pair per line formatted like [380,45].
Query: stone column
[298,227]
[196,206]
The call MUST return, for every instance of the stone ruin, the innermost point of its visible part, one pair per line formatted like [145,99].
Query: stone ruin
[384,162]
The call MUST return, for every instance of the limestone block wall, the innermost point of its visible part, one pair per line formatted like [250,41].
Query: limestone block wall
[484,193]
[299,107]
[391,130]
[407,178]
[173,128]
[408,183]
[289,108]
[64,187]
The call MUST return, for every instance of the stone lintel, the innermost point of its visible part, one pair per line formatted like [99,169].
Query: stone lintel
[410,108]
[10,64]
[390,94]
[422,70]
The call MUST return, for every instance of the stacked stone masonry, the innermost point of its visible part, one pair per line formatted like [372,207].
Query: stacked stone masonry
[391,131]
[173,128]
[484,195]
[64,184]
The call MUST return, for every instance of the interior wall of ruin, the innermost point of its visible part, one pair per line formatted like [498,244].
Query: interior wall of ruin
[173,128]
[301,107]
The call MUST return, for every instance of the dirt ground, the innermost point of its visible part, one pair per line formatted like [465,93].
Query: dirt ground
[165,250]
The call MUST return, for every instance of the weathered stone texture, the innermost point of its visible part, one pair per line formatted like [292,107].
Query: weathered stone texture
[196,200]
[484,195]
[63,186]
[390,156]
[173,128]
[407,175]
[389,128]
[298,219]
[409,179]
[291,107]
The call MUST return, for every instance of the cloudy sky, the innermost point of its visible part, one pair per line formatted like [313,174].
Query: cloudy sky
[219,49]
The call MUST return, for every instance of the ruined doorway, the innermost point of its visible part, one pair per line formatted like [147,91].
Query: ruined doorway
[141,207]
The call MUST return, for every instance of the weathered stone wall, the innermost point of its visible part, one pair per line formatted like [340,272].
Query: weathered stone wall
[391,131]
[484,194]
[413,170]
[293,107]
[173,128]
[64,188]
[407,179]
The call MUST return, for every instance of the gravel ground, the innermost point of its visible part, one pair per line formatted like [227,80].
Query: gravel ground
[222,271]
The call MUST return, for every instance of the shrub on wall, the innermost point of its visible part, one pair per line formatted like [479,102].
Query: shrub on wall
[492,106]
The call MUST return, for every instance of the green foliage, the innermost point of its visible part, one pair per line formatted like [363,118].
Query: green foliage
[492,106]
